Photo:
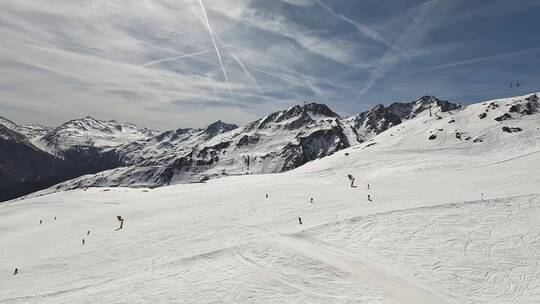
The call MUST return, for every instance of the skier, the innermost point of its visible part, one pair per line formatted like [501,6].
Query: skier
[369,197]
[121,220]
[368,186]
[300,220]
[55,218]
[88,233]
[351,178]
[83,241]
[16,271]
[482,195]
[266,195]
[40,222]
[312,200]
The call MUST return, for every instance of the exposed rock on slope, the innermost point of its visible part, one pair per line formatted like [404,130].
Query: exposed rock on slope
[379,119]
[477,125]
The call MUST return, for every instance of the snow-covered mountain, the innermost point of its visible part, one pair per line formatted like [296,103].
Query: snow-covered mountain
[31,132]
[278,142]
[90,132]
[165,146]
[34,157]
[124,154]
[476,125]
[370,123]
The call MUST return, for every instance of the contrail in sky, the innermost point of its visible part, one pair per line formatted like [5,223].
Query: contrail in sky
[215,46]
[177,57]
[202,52]
[240,63]
[371,33]
[473,60]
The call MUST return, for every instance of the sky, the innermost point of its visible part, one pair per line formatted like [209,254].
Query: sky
[167,64]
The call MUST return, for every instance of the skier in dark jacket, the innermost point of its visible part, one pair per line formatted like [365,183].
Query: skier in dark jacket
[351,178]
[300,220]
[16,271]
[121,220]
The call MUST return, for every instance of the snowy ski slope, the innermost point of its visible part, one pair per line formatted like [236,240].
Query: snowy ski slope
[451,221]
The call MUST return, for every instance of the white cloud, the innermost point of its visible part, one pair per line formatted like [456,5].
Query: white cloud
[154,62]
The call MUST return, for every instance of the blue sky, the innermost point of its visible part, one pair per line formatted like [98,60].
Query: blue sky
[185,63]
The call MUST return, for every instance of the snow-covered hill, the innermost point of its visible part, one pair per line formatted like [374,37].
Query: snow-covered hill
[450,221]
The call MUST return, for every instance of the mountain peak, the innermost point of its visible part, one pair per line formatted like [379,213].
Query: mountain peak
[319,109]
[428,99]
[218,127]
[408,110]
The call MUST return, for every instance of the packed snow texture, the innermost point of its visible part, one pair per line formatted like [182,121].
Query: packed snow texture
[452,220]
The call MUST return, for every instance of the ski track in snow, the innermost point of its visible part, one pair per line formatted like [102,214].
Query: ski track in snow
[480,252]
[485,251]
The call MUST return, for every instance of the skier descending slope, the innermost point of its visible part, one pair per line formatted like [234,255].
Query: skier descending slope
[16,271]
[351,178]
[121,220]
[300,220]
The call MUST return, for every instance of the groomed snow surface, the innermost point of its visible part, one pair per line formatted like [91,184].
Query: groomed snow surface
[449,222]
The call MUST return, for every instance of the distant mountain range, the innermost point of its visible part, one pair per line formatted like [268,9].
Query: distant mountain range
[90,152]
